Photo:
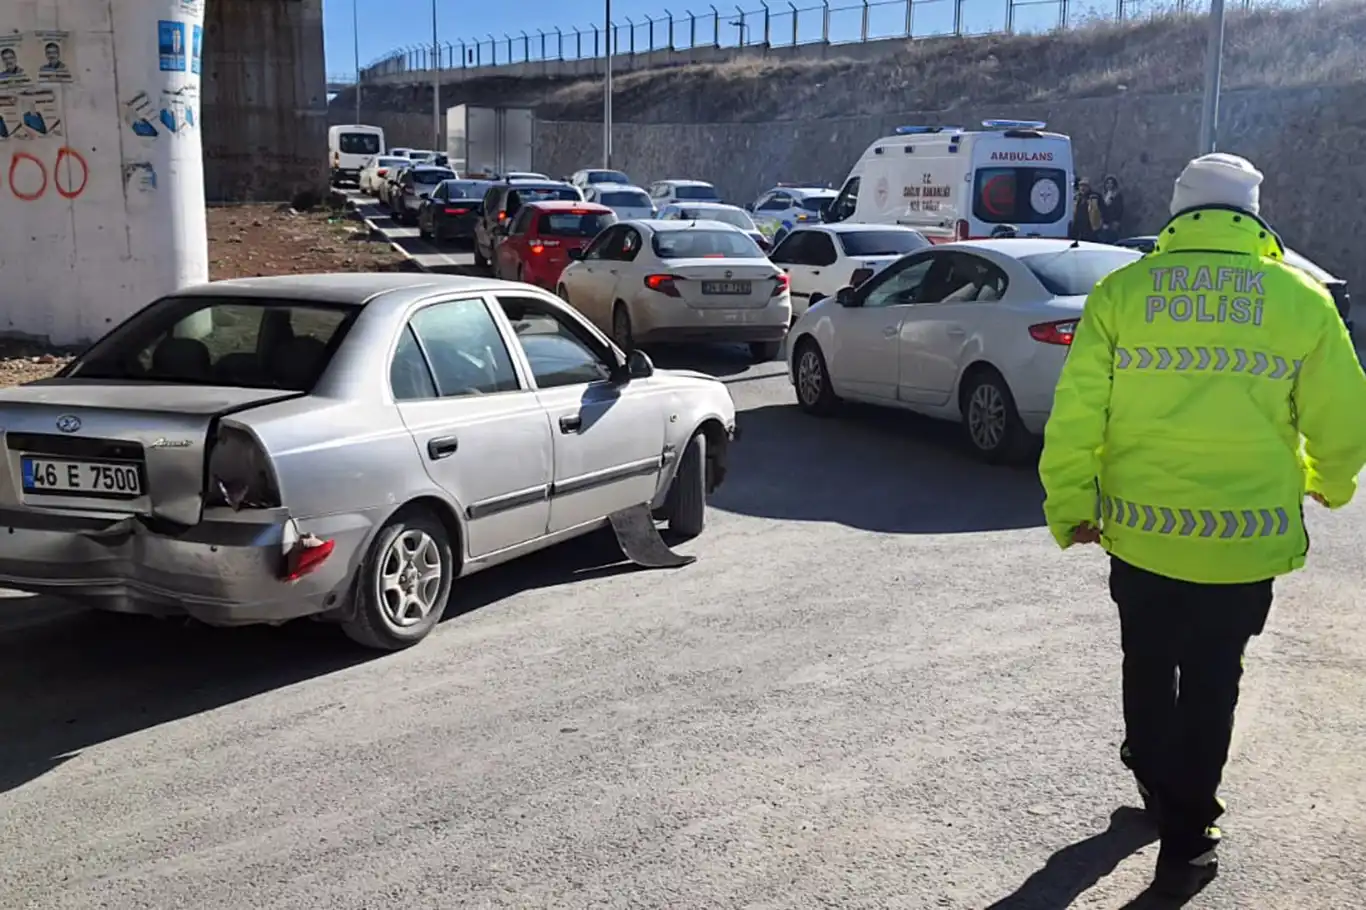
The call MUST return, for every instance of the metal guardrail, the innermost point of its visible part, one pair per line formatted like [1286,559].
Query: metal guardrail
[772,25]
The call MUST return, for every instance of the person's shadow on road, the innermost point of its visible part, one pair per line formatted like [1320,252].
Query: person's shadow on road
[1075,868]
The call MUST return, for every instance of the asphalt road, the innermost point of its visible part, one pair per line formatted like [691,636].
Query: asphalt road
[880,686]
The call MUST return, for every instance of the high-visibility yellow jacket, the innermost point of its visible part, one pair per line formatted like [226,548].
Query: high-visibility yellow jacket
[1208,389]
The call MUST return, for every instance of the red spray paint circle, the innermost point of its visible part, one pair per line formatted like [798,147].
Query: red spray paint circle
[30,182]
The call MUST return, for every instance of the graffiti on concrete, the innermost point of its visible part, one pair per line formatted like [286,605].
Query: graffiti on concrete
[30,178]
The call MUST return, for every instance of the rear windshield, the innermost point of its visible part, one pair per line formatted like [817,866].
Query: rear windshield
[703,192]
[607,177]
[1019,195]
[391,162]
[698,244]
[737,217]
[466,189]
[626,199]
[1073,273]
[881,243]
[814,203]
[358,144]
[431,175]
[524,194]
[574,224]
[226,341]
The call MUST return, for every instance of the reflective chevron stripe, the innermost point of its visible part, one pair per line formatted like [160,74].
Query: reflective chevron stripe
[1207,360]
[1219,524]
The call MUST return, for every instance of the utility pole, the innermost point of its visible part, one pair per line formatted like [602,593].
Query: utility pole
[1214,61]
[437,145]
[607,93]
[355,32]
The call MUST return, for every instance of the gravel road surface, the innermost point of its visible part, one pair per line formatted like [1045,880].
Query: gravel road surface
[881,686]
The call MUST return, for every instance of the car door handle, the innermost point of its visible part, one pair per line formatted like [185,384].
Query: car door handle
[442,447]
[956,331]
[571,423]
[815,271]
[890,331]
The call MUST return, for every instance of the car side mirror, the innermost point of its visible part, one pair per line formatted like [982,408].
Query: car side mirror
[845,296]
[749,206]
[575,255]
[639,365]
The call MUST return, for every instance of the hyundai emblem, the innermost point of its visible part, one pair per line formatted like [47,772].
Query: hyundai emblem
[68,423]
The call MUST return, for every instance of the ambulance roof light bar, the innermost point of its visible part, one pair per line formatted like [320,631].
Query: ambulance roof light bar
[916,130]
[1014,124]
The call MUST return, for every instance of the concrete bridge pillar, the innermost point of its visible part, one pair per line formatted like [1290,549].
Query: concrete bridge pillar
[101,176]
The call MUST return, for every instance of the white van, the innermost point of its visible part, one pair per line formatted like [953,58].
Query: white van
[955,184]
[351,147]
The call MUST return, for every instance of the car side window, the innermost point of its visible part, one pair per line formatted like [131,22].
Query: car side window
[522,222]
[969,278]
[490,202]
[776,203]
[898,284]
[820,249]
[604,244]
[410,378]
[465,348]
[791,251]
[845,202]
[559,352]
[441,194]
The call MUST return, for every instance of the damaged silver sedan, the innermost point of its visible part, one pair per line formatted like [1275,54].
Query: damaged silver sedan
[344,447]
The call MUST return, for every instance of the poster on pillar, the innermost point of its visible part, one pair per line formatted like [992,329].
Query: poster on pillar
[51,51]
[13,68]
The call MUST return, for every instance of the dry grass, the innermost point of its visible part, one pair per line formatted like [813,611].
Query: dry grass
[1163,55]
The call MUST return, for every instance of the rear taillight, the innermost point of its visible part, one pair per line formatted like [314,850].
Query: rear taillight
[960,230]
[382,171]
[457,211]
[860,276]
[780,284]
[502,216]
[1054,332]
[307,555]
[239,474]
[664,284]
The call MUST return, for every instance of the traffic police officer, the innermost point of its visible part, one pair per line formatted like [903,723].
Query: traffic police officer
[1209,389]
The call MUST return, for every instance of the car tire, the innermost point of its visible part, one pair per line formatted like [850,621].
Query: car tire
[622,332]
[562,292]
[423,232]
[815,393]
[479,260]
[764,351]
[686,503]
[387,596]
[991,421]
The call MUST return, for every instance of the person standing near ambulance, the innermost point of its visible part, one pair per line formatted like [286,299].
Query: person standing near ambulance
[1209,389]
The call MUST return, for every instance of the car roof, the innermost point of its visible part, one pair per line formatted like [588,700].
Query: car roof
[687,183]
[338,288]
[1298,260]
[1015,247]
[844,227]
[702,204]
[560,205]
[617,186]
[805,190]
[660,227]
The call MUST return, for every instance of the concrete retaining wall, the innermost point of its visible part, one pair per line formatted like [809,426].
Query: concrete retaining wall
[264,100]
[1306,140]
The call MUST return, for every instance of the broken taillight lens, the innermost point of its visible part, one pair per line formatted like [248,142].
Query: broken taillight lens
[239,474]
[307,556]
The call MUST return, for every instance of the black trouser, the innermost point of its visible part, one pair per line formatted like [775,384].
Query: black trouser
[1183,659]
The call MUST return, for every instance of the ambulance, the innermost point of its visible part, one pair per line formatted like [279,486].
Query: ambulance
[955,184]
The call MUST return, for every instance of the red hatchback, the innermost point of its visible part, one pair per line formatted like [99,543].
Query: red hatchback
[537,244]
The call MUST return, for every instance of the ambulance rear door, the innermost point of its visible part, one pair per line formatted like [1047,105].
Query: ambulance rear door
[1020,176]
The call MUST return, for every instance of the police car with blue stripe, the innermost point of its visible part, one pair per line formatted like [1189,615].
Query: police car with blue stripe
[787,205]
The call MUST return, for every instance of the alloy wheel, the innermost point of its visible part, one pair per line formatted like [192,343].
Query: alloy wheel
[810,376]
[986,417]
[409,578]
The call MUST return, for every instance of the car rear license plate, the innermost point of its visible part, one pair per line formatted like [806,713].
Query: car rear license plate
[726,287]
[62,477]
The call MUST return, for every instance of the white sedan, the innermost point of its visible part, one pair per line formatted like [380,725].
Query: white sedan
[377,170]
[974,332]
[823,258]
[678,281]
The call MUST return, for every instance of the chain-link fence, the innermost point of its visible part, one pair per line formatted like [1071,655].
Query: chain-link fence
[771,25]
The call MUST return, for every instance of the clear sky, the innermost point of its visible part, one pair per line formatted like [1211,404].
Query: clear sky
[388,24]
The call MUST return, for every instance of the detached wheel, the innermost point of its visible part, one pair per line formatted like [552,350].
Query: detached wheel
[990,420]
[815,394]
[764,351]
[622,332]
[403,584]
[685,506]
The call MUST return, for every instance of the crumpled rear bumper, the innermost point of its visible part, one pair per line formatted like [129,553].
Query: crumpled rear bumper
[227,570]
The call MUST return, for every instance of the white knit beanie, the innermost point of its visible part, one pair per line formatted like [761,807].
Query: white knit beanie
[1218,179]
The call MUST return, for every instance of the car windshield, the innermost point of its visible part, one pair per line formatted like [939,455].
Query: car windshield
[546,194]
[391,162]
[430,176]
[574,223]
[814,203]
[607,177]
[737,217]
[701,192]
[465,189]
[1074,272]
[358,144]
[627,199]
[881,243]
[246,342]
[705,244]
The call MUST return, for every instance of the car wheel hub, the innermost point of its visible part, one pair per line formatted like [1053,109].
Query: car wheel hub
[809,377]
[986,417]
[409,578]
